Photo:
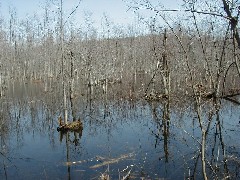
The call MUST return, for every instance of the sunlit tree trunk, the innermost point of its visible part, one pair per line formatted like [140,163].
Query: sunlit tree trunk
[64,78]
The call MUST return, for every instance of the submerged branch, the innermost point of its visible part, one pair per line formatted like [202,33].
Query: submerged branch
[203,155]
[112,161]
[231,100]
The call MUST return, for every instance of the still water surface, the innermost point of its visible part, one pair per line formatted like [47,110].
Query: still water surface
[118,138]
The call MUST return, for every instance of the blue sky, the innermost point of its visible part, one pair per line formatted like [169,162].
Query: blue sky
[116,10]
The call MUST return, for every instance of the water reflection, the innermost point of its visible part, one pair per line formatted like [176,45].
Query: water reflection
[120,138]
[77,136]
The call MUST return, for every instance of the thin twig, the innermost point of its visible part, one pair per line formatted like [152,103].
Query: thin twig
[73,11]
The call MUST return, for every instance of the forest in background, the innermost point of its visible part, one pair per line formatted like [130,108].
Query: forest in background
[195,55]
[49,65]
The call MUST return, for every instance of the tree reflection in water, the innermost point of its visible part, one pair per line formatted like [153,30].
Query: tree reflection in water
[217,159]
[121,138]
[75,141]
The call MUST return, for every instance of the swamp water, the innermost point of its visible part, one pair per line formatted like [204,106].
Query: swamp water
[120,139]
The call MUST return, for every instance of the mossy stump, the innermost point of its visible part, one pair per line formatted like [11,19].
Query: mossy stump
[75,126]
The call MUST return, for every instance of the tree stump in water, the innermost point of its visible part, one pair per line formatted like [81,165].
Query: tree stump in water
[75,126]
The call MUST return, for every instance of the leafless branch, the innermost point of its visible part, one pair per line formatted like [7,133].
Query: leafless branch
[74,10]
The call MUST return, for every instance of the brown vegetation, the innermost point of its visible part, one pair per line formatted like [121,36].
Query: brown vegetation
[168,65]
[76,126]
